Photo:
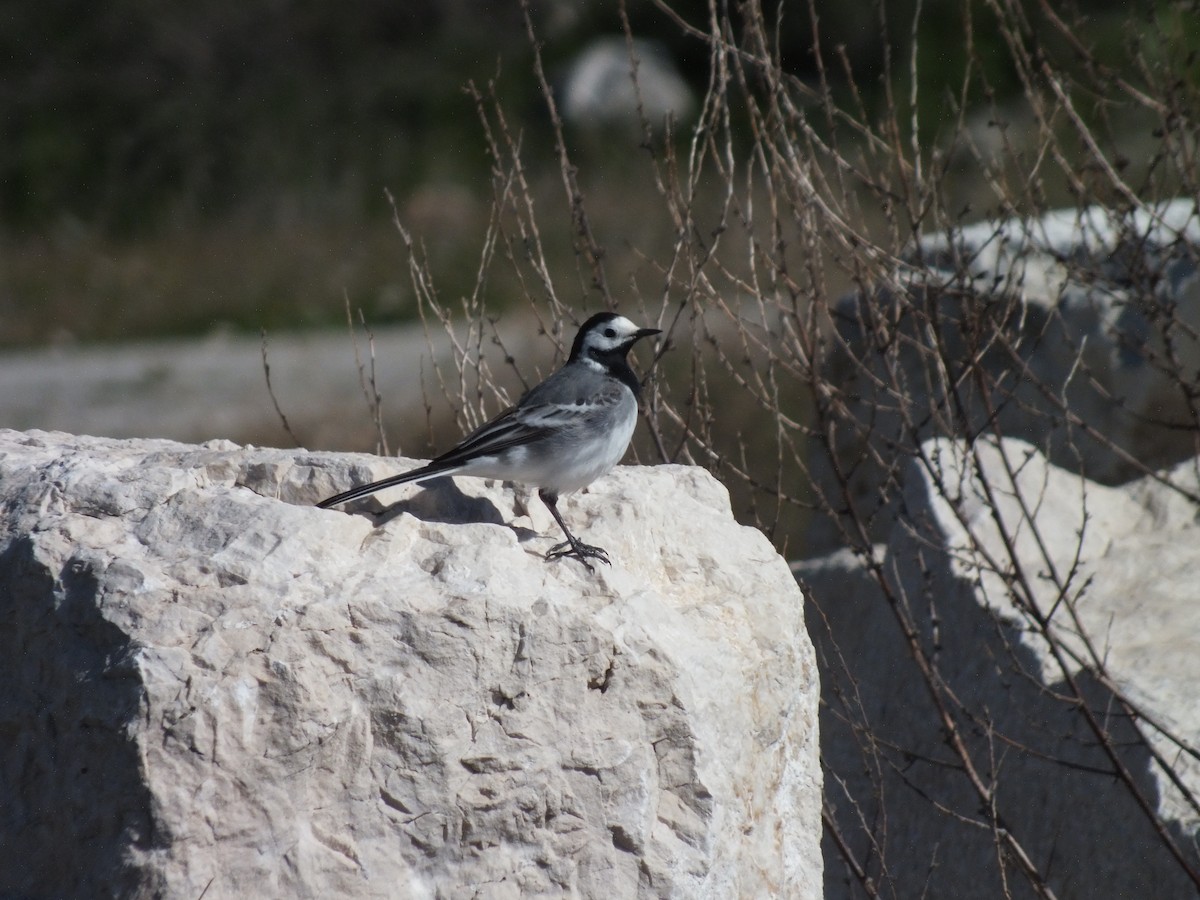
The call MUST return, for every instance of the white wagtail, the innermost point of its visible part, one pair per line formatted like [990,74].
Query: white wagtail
[561,436]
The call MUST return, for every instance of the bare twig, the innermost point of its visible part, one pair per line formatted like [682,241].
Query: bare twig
[366,376]
[271,390]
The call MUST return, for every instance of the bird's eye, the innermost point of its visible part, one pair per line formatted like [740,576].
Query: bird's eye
[610,332]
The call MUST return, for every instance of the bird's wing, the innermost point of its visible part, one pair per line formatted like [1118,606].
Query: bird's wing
[555,404]
[570,404]
[504,431]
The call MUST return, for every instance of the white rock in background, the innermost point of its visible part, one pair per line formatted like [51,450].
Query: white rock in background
[213,688]
[598,88]
[1138,559]
[1111,321]
[1093,309]
[1009,247]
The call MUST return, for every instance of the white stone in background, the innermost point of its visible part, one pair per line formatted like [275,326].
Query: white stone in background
[216,689]
[998,247]
[1138,558]
[598,89]
[1137,550]
[1099,289]
[1087,308]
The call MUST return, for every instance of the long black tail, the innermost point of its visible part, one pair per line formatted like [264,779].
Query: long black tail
[429,471]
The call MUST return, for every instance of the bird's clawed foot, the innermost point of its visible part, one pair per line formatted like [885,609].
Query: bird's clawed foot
[572,547]
[577,549]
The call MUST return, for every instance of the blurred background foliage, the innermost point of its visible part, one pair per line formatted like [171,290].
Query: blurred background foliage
[168,169]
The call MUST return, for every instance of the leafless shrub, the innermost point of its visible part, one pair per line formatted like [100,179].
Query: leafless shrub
[367,378]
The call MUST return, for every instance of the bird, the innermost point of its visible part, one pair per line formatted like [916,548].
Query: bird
[562,434]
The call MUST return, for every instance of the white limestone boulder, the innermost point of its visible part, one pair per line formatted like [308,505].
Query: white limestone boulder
[1078,332]
[1114,571]
[214,689]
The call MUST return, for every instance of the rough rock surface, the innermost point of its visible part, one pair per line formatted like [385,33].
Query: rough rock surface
[1134,591]
[214,689]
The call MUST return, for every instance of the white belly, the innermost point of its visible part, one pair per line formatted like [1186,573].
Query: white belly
[570,461]
[599,456]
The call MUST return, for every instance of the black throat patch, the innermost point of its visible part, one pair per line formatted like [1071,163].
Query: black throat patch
[616,365]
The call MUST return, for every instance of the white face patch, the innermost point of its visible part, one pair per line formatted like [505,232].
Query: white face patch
[610,335]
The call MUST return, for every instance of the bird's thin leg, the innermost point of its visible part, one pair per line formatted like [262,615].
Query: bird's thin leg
[572,546]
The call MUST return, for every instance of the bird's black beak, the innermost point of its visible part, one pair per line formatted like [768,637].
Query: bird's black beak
[645,332]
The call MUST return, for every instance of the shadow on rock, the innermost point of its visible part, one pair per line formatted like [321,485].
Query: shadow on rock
[440,500]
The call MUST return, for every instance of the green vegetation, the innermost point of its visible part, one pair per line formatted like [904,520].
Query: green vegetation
[168,170]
